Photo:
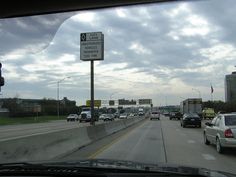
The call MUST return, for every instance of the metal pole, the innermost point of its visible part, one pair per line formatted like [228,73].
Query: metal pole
[92,95]
[58,109]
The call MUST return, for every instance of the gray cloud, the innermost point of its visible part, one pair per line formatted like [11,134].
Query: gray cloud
[144,40]
[31,34]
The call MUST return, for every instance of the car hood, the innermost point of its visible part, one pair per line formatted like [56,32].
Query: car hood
[117,166]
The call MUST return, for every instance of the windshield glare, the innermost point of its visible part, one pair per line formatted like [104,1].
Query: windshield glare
[174,59]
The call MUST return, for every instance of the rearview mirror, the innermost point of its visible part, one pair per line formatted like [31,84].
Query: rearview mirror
[208,124]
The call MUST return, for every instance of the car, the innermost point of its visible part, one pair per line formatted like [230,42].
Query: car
[165,113]
[108,117]
[221,131]
[123,116]
[175,115]
[116,115]
[155,115]
[102,116]
[140,113]
[72,117]
[190,119]
[131,115]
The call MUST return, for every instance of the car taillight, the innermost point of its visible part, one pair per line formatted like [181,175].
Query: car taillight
[229,133]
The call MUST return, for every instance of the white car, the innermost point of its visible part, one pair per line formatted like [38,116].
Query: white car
[72,117]
[123,116]
[155,115]
[108,117]
[131,115]
[221,131]
[102,117]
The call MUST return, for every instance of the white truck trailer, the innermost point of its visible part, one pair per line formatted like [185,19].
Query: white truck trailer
[191,105]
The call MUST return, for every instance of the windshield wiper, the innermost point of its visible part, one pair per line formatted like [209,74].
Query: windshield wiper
[101,168]
[46,170]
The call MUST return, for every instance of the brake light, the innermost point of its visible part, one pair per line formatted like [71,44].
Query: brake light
[229,133]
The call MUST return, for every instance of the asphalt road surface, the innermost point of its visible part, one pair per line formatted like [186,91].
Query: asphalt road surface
[163,141]
[8,132]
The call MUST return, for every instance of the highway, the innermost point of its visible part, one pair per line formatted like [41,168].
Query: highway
[163,141]
[8,132]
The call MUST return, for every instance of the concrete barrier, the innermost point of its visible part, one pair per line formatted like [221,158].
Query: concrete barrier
[43,146]
[50,145]
[115,126]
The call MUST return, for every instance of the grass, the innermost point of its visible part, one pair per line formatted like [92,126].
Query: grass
[28,120]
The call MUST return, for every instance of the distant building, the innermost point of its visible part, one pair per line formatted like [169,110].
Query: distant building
[230,87]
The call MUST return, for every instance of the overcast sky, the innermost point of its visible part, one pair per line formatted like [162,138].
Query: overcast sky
[165,52]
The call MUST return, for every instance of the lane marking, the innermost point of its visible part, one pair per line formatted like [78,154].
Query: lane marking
[191,141]
[208,157]
[163,141]
[177,129]
[103,148]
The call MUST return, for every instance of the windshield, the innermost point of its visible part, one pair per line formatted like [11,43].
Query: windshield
[230,120]
[174,59]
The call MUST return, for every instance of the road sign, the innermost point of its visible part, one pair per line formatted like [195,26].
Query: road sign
[111,102]
[91,46]
[126,102]
[97,103]
[144,101]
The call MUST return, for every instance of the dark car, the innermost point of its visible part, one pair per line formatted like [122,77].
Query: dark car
[175,115]
[116,115]
[190,119]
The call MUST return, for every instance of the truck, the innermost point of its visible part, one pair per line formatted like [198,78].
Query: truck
[191,105]
[85,115]
[208,113]
[140,111]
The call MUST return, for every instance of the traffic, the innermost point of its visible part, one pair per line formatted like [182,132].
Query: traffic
[217,128]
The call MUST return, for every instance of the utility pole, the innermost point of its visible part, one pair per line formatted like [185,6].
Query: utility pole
[58,101]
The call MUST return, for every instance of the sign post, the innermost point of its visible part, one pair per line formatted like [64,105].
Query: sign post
[92,48]
[92,94]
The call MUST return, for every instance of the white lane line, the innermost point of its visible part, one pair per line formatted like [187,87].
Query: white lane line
[208,157]
[191,141]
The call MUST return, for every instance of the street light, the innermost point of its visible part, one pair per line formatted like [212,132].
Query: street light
[58,105]
[199,93]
